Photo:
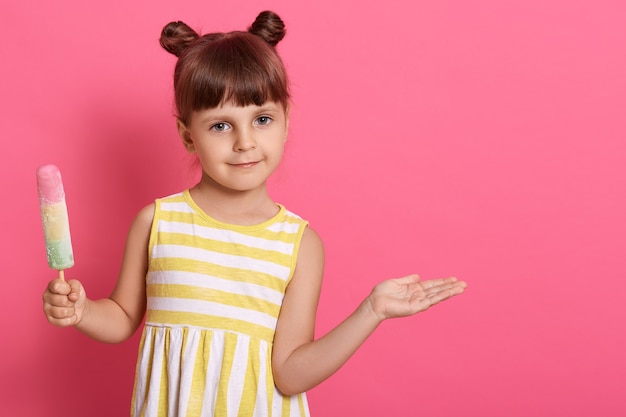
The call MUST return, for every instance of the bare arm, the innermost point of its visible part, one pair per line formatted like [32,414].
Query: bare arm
[112,319]
[299,362]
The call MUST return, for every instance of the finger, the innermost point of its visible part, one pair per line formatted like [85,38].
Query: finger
[58,286]
[65,322]
[60,313]
[56,300]
[454,287]
[408,280]
[75,290]
[443,284]
[61,316]
[444,293]
[438,282]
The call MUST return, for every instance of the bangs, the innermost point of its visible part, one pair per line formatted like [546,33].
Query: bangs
[239,68]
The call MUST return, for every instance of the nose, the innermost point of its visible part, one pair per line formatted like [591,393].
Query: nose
[244,141]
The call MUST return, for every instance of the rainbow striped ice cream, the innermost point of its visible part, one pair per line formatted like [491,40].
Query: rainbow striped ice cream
[54,218]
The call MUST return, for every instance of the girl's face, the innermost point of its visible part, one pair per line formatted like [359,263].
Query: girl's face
[238,147]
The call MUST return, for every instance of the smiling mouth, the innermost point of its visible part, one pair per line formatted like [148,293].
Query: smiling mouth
[245,164]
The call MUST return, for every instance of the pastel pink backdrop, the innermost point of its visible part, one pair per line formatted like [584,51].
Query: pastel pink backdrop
[482,139]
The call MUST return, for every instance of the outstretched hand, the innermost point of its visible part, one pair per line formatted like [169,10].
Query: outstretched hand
[64,302]
[408,295]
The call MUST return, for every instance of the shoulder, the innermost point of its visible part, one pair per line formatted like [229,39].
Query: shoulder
[310,255]
[145,215]
[140,228]
[289,217]
[311,240]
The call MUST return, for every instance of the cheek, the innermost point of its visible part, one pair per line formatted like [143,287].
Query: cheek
[280,150]
[207,158]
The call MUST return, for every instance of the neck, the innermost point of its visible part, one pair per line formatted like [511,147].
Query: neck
[232,206]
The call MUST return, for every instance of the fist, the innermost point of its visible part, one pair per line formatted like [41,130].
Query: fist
[64,302]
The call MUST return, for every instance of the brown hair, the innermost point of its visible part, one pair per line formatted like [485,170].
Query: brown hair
[242,67]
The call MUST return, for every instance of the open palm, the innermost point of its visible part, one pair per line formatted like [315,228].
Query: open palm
[408,295]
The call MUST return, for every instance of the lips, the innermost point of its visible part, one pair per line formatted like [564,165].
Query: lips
[245,164]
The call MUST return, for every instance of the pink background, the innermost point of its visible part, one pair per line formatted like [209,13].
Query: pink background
[483,139]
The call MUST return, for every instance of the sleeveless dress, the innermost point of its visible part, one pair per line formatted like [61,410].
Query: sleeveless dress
[214,292]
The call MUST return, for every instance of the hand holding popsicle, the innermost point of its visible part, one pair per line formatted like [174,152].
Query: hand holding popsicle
[54,218]
[64,302]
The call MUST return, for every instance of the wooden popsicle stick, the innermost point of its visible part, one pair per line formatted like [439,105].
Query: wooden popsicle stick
[61,275]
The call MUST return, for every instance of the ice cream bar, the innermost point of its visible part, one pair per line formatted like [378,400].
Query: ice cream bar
[54,218]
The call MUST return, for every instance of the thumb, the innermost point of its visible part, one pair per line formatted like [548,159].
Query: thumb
[409,279]
[76,290]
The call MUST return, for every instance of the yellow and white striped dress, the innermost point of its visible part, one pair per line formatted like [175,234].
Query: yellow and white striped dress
[214,293]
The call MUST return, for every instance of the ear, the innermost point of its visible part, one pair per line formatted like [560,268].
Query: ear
[185,136]
[287,109]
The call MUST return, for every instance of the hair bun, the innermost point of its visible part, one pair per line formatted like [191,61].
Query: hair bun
[176,37]
[269,27]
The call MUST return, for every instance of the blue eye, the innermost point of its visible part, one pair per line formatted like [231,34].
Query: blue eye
[219,127]
[264,120]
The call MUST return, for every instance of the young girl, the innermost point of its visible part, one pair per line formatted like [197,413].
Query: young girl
[229,280]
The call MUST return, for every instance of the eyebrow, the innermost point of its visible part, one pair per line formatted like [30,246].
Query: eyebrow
[210,119]
[217,116]
[270,107]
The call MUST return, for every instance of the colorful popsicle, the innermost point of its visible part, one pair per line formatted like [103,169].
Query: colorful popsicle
[56,225]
